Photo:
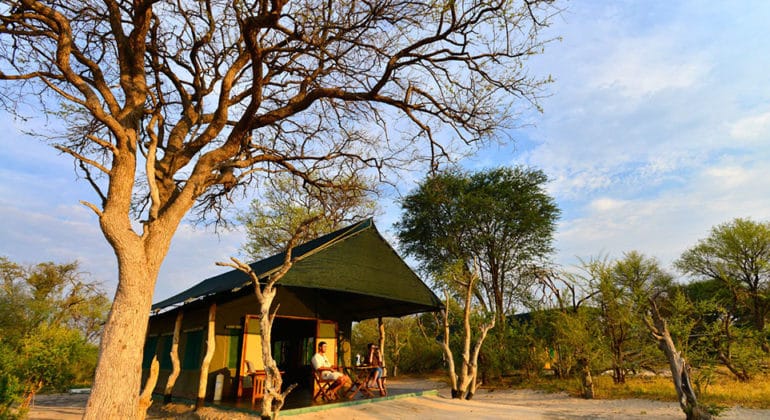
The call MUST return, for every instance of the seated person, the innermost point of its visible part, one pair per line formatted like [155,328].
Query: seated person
[374,359]
[321,363]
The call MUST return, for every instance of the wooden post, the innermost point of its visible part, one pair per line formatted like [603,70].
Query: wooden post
[145,399]
[175,367]
[203,382]
[381,342]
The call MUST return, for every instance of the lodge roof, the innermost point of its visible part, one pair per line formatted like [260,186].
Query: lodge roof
[355,262]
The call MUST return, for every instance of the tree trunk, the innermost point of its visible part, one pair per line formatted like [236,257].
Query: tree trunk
[273,380]
[469,370]
[210,345]
[587,381]
[175,366]
[680,371]
[741,375]
[29,394]
[117,381]
[448,350]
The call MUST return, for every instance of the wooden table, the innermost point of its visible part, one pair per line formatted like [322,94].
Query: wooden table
[359,375]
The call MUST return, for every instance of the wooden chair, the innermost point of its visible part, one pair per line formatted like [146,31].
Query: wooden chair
[358,385]
[324,386]
[257,382]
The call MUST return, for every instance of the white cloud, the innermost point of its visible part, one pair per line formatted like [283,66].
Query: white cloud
[606,205]
[643,66]
[752,127]
[665,225]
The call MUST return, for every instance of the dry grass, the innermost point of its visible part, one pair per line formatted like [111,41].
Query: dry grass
[722,392]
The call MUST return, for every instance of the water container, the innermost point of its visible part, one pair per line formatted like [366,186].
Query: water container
[218,387]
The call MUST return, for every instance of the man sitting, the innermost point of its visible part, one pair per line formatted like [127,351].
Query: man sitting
[321,364]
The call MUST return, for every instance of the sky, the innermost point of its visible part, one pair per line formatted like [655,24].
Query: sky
[656,129]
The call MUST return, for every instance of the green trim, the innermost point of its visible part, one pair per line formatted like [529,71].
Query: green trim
[304,410]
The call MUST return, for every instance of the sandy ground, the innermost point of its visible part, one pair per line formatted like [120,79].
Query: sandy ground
[497,404]
[516,404]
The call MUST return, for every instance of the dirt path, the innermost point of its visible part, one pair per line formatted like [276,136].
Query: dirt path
[516,404]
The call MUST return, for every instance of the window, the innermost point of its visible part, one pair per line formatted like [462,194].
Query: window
[150,345]
[234,348]
[165,352]
[193,350]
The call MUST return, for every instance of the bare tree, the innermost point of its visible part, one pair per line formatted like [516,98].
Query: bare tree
[173,106]
[464,384]
[680,369]
[265,292]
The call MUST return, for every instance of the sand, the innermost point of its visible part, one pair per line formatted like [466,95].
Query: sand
[487,404]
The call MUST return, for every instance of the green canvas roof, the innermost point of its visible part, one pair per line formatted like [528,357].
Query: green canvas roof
[355,264]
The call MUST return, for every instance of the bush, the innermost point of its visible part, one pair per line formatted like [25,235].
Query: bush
[10,387]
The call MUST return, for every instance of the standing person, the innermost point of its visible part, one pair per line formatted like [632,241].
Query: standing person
[328,373]
[374,359]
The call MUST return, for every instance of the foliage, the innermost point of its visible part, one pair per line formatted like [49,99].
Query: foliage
[49,294]
[49,318]
[52,356]
[11,389]
[417,354]
[502,218]
[578,340]
[517,347]
[736,255]
[622,289]
[732,269]
[271,220]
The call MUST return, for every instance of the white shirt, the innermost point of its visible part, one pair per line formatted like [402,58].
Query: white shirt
[320,361]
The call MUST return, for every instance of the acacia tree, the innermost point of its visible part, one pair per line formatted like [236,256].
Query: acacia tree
[49,316]
[622,289]
[577,337]
[173,106]
[502,217]
[272,221]
[737,256]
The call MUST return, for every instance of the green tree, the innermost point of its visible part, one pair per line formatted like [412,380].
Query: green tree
[175,106]
[271,220]
[503,218]
[719,335]
[49,318]
[623,288]
[11,389]
[736,255]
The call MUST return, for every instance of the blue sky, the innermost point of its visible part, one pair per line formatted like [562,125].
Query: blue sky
[656,129]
